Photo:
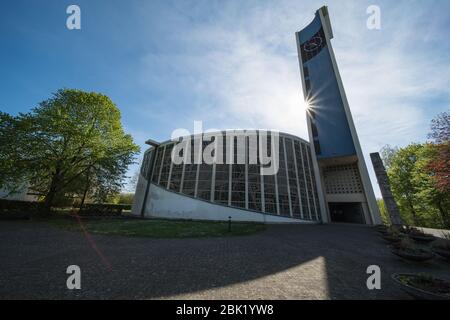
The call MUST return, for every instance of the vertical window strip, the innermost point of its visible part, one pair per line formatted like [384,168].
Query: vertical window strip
[190,172]
[222,177]
[270,184]
[286,142]
[204,177]
[283,195]
[238,179]
[292,174]
[254,177]
[166,164]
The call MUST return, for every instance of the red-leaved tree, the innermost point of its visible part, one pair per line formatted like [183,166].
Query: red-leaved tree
[440,164]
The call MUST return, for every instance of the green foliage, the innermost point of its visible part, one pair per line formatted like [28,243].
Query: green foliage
[71,144]
[404,190]
[121,198]
[126,198]
[419,177]
[413,185]
[440,163]
[431,198]
[383,212]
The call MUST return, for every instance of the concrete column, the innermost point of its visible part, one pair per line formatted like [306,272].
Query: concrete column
[385,188]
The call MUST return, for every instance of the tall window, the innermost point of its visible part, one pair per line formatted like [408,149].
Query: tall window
[254,176]
[222,177]
[175,176]
[167,161]
[156,170]
[238,176]
[190,172]
[283,196]
[295,204]
[146,163]
[204,177]
[270,196]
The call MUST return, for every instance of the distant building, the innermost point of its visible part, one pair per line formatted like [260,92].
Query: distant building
[322,181]
[21,195]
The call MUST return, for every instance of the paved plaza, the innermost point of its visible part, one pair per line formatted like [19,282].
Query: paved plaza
[282,262]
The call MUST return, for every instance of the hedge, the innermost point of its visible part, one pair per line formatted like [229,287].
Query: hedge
[103,209]
[16,209]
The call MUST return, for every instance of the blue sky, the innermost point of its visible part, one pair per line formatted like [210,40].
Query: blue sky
[230,64]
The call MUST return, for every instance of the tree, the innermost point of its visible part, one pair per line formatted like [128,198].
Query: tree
[383,212]
[420,177]
[68,144]
[413,184]
[439,164]
[424,177]
[404,188]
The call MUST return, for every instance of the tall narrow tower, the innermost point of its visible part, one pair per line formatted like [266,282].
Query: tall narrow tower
[343,180]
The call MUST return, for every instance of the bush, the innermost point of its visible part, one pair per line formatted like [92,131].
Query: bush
[103,209]
[126,198]
[16,209]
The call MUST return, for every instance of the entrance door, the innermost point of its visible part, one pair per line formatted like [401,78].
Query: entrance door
[346,212]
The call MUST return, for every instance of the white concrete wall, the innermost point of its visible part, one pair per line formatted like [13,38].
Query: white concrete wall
[166,204]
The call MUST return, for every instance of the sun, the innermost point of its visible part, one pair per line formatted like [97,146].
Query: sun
[308,103]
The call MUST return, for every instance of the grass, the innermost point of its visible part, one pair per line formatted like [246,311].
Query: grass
[158,228]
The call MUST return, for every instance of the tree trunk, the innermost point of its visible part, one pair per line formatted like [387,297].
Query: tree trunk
[50,196]
[85,192]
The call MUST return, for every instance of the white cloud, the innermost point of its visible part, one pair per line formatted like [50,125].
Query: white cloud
[245,61]
[256,88]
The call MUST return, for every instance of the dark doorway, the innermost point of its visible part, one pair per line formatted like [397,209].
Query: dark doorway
[346,212]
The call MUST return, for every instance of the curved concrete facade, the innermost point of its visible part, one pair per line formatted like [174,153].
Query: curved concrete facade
[239,185]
